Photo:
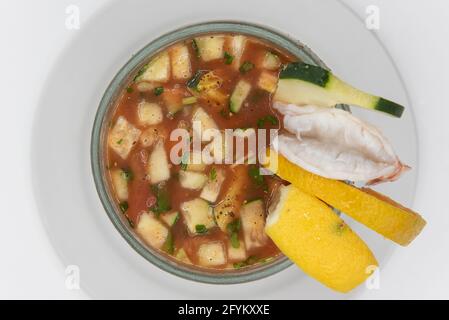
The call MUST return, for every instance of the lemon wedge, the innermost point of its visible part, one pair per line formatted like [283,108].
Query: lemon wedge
[366,206]
[315,238]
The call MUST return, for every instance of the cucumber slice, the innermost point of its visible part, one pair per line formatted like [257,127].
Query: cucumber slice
[180,62]
[197,212]
[170,218]
[237,254]
[252,218]
[302,84]
[237,46]
[271,61]
[149,113]
[192,180]
[267,81]
[212,188]
[158,169]
[211,254]
[151,230]
[120,184]
[122,137]
[157,70]
[210,47]
[239,95]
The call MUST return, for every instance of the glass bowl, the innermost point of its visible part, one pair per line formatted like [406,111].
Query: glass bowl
[99,141]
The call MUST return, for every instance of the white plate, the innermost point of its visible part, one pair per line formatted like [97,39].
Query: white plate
[79,228]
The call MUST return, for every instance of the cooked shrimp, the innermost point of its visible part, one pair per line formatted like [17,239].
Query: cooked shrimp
[335,144]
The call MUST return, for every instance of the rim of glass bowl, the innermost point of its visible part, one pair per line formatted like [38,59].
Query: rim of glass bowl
[98,140]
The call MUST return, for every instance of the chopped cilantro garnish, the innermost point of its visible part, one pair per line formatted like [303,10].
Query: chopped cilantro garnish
[119,141]
[123,206]
[169,244]
[195,48]
[239,265]
[228,58]
[249,261]
[127,174]
[269,118]
[233,226]
[158,91]
[246,67]
[235,243]
[213,174]
[233,229]
[254,173]
[141,72]
[265,260]
[162,200]
[176,219]
[184,161]
[200,228]
[272,119]
[224,113]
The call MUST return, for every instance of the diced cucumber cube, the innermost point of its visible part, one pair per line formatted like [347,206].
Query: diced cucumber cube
[158,168]
[210,47]
[237,254]
[123,137]
[180,62]
[120,184]
[271,61]
[149,113]
[267,81]
[197,212]
[211,254]
[158,69]
[151,230]
[239,95]
[192,180]
[212,188]
[238,44]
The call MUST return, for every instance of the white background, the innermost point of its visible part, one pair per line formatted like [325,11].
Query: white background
[33,33]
